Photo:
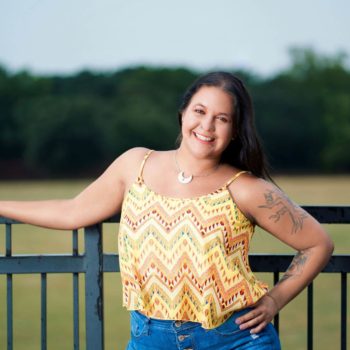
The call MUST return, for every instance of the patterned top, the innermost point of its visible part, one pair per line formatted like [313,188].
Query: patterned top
[185,258]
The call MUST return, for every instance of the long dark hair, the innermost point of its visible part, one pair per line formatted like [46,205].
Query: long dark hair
[245,151]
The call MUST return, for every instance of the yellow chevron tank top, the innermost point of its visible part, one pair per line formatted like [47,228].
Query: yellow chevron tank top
[185,258]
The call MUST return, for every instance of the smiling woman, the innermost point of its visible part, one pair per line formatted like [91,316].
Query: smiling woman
[244,150]
[187,218]
[207,123]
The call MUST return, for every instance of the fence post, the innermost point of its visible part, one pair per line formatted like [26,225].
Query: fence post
[9,290]
[94,288]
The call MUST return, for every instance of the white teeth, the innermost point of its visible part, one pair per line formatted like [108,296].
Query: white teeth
[204,138]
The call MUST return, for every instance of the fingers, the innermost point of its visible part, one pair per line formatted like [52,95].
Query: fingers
[259,327]
[251,319]
[259,317]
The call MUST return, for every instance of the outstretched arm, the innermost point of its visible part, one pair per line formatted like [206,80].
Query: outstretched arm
[272,210]
[100,200]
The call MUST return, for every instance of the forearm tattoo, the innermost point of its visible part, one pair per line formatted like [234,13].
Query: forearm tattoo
[296,267]
[281,205]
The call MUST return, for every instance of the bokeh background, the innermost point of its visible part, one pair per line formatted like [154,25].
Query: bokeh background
[82,81]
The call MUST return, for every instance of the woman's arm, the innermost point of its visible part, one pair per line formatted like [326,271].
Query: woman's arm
[100,200]
[272,210]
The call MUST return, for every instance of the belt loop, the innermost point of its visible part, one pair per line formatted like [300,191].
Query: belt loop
[148,325]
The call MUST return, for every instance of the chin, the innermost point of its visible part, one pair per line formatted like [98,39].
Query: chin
[205,152]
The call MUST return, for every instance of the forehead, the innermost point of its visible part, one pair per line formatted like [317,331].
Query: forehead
[213,97]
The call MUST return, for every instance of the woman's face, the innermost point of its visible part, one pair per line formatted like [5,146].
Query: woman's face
[207,122]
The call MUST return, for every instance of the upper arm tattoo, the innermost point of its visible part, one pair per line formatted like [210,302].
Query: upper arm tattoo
[280,205]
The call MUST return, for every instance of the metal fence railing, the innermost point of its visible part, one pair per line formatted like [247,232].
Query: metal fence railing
[94,262]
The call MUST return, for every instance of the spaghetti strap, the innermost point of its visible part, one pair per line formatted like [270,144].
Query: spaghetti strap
[140,178]
[229,182]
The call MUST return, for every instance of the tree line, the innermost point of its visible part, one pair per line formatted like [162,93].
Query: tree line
[74,126]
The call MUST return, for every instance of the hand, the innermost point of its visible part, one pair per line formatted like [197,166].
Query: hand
[262,314]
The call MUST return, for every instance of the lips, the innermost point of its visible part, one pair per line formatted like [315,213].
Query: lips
[203,138]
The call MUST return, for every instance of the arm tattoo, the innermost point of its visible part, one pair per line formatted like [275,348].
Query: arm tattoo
[275,200]
[297,266]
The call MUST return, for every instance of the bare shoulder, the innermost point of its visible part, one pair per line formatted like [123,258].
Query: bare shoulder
[133,155]
[128,164]
[250,192]
[266,204]
[248,187]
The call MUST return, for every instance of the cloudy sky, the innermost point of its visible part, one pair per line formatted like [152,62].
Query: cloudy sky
[48,36]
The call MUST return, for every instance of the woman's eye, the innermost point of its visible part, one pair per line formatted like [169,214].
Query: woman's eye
[223,119]
[199,111]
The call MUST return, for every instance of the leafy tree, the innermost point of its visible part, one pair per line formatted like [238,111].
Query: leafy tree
[75,125]
[293,112]
[60,134]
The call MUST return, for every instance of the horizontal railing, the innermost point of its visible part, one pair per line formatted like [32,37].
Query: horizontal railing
[93,263]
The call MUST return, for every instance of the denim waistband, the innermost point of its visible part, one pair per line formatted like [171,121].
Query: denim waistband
[179,324]
[157,334]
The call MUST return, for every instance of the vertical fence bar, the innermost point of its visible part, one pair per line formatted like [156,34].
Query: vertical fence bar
[43,311]
[94,288]
[343,311]
[75,295]
[276,320]
[310,316]
[9,290]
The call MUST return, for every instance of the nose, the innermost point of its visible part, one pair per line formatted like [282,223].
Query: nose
[207,123]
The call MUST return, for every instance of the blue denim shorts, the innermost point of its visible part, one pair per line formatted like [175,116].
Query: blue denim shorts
[153,334]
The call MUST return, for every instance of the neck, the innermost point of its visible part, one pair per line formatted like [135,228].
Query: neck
[195,165]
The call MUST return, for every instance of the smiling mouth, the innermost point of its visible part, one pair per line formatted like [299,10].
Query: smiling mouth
[203,138]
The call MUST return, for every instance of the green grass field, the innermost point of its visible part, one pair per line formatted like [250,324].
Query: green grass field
[32,240]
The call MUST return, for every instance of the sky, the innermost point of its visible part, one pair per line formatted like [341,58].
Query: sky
[66,36]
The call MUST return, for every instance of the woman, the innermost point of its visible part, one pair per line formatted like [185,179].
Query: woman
[187,216]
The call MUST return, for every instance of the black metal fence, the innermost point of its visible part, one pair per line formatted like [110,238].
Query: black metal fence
[93,263]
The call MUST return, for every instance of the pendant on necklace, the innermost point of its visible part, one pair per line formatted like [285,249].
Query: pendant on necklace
[182,179]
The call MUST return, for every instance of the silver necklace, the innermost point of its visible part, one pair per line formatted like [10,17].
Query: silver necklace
[181,174]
